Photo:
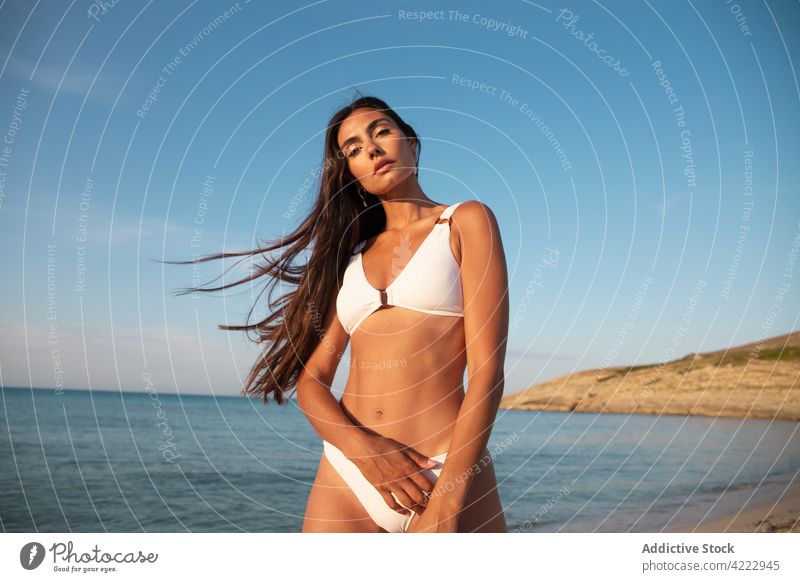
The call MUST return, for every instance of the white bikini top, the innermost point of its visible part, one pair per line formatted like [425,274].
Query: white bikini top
[430,282]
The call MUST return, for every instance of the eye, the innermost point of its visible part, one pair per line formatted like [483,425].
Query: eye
[354,151]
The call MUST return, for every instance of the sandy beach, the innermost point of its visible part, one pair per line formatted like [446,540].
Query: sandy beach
[751,381]
[773,512]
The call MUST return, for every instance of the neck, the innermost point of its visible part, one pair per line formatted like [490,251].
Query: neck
[406,203]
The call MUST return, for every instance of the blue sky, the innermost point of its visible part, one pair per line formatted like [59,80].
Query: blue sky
[641,159]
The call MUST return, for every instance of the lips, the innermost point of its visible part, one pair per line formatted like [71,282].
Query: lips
[381,164]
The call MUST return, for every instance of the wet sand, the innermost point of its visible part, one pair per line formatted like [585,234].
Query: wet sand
[775,511]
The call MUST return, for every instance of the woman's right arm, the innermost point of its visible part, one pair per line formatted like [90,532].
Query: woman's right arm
[314,396]
[389,465]
[329,421]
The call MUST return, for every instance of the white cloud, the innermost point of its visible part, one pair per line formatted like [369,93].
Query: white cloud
[76,82]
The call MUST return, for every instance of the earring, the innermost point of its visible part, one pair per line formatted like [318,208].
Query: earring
[363,198]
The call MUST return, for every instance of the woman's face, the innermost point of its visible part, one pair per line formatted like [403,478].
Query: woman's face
[367,137]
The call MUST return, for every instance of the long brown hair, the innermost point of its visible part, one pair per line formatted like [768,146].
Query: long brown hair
[338,221]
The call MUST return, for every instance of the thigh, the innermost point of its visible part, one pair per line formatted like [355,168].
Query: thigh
[483,512]
[333,507]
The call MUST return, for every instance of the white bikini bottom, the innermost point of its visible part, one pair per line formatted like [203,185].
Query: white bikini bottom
[383,515]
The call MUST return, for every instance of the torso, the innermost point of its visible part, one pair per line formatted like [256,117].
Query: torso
[407,367]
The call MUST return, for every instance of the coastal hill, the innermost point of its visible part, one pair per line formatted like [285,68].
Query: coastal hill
[757,380]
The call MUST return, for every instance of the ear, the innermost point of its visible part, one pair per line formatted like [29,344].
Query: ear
[413,144]
[414,150]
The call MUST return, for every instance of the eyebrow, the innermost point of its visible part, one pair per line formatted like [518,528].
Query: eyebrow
[370,127]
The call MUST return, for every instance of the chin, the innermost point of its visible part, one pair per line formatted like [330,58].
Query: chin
[399,176]
[394,179]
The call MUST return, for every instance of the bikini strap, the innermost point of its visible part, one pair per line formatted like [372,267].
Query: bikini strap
[444,217]
[448,212]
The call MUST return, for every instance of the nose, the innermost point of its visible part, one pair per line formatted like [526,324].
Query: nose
[373,148]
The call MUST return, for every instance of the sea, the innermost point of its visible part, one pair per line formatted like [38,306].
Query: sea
[105,461]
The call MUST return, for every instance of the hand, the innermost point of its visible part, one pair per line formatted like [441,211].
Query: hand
[393,467]
[435,519]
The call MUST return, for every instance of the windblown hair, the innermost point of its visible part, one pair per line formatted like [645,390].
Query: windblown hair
[292,330]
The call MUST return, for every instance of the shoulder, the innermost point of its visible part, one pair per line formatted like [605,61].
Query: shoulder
[474,225]
[473,218]
[472,208]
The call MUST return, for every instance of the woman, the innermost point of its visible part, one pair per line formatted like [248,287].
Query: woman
[421,290]
[432,297]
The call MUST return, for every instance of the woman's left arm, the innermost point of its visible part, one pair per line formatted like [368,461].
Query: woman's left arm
[484,281]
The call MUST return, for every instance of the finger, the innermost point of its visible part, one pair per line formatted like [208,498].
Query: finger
[414,492]
[402,497]
[392,502]
[415,496]
[419,475]
[419,459]
[422,481]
